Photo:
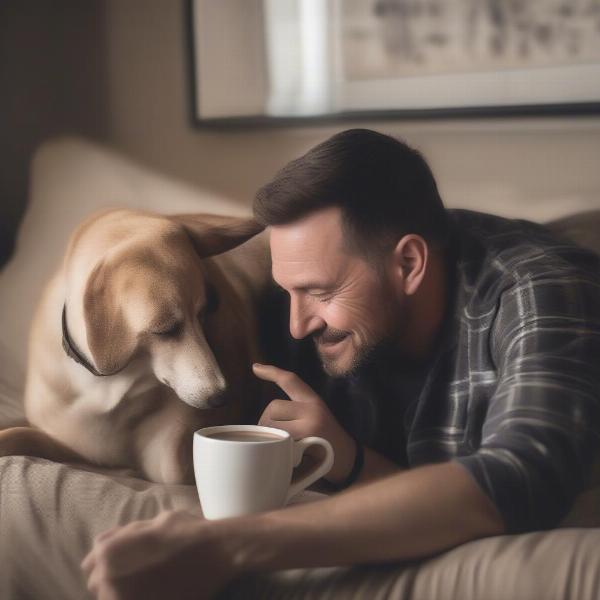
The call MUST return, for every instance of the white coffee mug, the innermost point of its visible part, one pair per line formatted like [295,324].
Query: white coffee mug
[244,469]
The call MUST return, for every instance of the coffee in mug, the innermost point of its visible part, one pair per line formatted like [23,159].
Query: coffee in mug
[245,436]
[244,469]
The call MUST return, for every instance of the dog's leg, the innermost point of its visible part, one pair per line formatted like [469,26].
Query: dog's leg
[29,441]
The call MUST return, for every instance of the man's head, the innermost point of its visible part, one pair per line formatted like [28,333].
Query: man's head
[352,223]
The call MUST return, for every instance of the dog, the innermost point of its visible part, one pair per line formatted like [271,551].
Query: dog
[146,333]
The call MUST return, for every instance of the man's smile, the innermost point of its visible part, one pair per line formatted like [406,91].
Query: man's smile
[330,344]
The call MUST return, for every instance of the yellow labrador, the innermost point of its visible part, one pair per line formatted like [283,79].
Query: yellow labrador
[146,333]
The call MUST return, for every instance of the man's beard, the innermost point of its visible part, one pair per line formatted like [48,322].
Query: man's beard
[374,351]
[364,356]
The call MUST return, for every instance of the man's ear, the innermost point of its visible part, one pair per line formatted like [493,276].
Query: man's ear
[213,234]
[110,340]
[410,259]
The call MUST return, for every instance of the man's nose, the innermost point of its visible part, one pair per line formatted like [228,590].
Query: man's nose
[303,319]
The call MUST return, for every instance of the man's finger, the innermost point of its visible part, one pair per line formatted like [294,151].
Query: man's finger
[289,382]
[282,410]
[92,583]
[87,564]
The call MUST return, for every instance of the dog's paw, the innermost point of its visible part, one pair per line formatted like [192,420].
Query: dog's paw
[15,441]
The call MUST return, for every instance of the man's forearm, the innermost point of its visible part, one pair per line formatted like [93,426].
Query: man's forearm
[409,515]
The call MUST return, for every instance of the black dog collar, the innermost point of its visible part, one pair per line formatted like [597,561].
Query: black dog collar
[71,349]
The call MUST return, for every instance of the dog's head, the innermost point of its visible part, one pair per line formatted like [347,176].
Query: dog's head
[151,294]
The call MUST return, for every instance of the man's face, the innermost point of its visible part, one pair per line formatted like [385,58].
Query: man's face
[337,297]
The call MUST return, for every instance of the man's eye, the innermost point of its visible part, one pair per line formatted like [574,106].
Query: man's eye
[322,296]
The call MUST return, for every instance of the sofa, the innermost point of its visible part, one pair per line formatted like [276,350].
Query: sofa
[50,512]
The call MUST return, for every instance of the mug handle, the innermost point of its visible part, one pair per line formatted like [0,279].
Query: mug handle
[318,471]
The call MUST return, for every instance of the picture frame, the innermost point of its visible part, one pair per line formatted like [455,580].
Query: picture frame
[324,60]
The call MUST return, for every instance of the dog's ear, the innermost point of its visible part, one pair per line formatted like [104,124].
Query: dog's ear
[110,339]
[213,234]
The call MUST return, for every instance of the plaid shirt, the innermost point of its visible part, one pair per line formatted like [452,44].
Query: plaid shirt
[513,391]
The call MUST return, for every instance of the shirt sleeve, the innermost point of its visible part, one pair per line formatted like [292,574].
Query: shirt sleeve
[542,428]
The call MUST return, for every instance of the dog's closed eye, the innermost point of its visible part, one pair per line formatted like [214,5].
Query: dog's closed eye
[172,331]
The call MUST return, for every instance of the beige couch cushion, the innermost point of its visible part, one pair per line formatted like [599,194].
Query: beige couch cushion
[49,514]
[558,565]
[11,383]
[583,227]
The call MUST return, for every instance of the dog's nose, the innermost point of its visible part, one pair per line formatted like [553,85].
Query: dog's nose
[218,400]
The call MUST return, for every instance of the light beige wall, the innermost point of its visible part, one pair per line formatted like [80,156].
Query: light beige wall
[492,165]
[118,71]
[150,106]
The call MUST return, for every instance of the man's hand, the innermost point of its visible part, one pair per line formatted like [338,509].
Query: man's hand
[306,414]
[173,555]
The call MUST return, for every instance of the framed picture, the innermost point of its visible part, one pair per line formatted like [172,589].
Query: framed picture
[288,60]
[467,54]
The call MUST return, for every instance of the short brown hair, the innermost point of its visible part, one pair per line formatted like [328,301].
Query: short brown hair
[384,188]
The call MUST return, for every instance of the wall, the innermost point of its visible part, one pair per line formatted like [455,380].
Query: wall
[495,164]
[118,71]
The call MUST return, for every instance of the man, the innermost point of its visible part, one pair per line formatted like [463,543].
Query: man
[464,395]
